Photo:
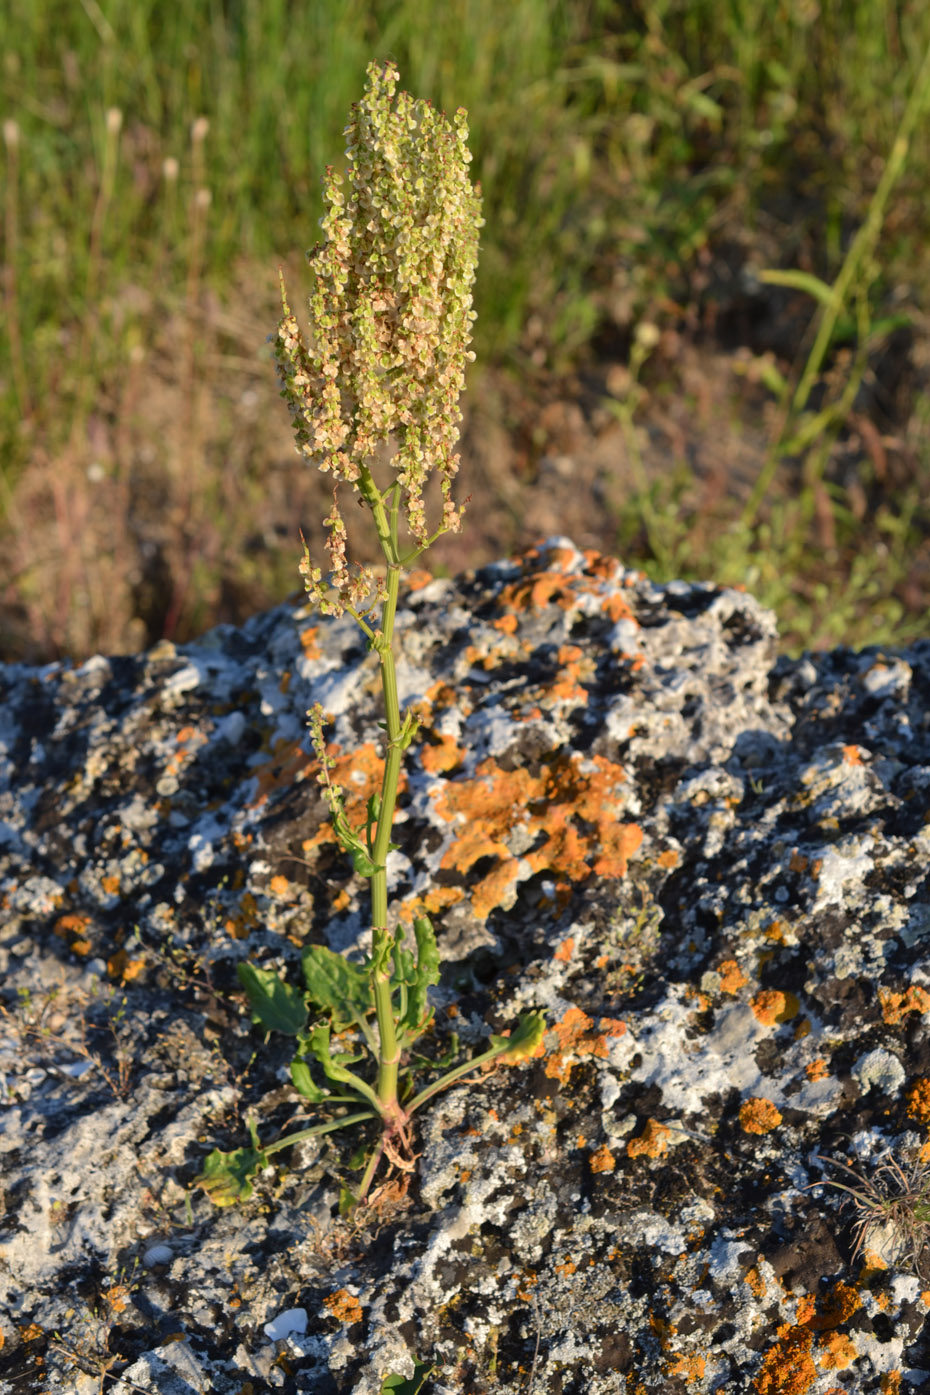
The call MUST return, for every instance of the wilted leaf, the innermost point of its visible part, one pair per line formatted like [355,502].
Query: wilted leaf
[225,1176]
[524,1042]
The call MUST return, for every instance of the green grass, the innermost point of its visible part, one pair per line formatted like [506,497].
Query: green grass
[625,151]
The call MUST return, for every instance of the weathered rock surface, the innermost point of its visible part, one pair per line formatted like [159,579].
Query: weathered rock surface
[711,869]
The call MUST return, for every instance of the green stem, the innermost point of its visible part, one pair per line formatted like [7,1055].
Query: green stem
[342,1122]
[860,250]
[369,1172]
[389,1047]
[453,1075]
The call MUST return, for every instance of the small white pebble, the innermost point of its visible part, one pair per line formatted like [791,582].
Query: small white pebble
[288,1324]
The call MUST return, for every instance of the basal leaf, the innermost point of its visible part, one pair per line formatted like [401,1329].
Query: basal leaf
[303,1082]
[226,1176]
[319,1045]
[336,987]
[275,1004]
[407,1385]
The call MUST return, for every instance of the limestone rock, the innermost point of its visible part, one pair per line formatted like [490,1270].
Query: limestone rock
[710,867]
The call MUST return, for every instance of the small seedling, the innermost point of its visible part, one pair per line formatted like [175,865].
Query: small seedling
[374,401]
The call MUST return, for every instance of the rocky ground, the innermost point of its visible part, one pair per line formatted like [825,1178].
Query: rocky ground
[707,865]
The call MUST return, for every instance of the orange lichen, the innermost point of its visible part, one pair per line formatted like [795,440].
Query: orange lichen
[836,1307]
[433,903]
[837,1352]
[440,753]
[279,885]
[110,885]
[651,1143]
[507,624]
[239,925]
[418,578]
[918,1100]
[569,811]
[344,1306]
[577,1036]
[758,1115]
[288,764]
[806,1309]
[771,1006]
[487,659]
[732,978]
[690,1367]
[541,588]
[668,859]
[308,642]
[896,1006]
[608,1027]
[787,1367]
[122,967]
[616,608]
[755,1283]
[890,1383]
[817,1070]
[573,666]
[72,924]
[798,862]
[564,951]
[566,1268]
[359,774]
[603,1160]
[852,755]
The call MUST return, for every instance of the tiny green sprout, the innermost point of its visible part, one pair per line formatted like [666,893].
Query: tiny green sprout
[374,399]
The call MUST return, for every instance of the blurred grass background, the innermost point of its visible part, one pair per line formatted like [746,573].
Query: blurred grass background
[645,166]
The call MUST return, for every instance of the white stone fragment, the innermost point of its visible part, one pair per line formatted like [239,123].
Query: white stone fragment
[291,1323]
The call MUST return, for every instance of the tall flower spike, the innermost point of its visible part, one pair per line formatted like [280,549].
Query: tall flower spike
[390,312]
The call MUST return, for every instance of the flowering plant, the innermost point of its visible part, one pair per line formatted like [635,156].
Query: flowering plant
[374,400]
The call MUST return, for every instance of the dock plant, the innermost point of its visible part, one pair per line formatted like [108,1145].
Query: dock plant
[374,398]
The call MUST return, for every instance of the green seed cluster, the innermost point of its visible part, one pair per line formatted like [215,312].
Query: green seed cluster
[390,315]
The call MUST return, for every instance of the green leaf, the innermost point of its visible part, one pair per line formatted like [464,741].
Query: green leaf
[363,863]
[418,1014]
[275,1004]
[319,1045]
[408,1385]
[524,1042]
[225,1176]
[303,1082]
[348,1202]
[438,1062]
[336,986]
